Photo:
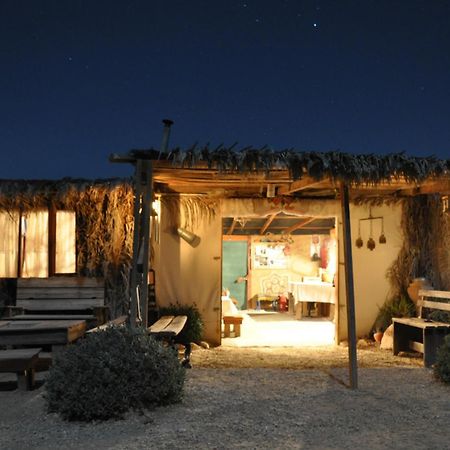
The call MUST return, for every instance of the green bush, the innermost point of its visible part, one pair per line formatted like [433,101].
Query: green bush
[400,306]
[442,365]
[109,372]
[193,330]
[439,316]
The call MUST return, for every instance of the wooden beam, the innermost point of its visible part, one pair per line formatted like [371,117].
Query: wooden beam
[267,224]
[297,226]
[350,293]
[233,226]
[298,185]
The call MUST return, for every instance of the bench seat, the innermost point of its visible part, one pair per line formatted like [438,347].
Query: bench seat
[23,362]
[168,328]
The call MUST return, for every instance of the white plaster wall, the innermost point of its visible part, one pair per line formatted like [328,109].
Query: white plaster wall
[369,267]
[191,275]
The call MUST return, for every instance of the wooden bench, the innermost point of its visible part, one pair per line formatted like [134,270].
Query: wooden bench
[23,363]
[422,334]
[236,321]
[167,329]
[114,322]
[60,298]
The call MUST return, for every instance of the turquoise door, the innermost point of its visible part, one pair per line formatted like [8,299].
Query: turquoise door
[234,265]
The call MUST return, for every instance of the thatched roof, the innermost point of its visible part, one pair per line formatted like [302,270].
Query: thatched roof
[63,193]
[314,173]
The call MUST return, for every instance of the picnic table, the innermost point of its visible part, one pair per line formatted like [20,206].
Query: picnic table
[54,333]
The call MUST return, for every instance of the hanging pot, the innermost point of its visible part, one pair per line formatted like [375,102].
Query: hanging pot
[359,242]
[371,244]
[382,239]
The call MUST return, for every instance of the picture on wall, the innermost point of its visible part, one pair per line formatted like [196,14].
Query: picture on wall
[270,256]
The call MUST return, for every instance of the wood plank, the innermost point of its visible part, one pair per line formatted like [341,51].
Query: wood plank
[420,323]
[116,322]
[434,305]
[60,293]
[416,346]
[59,304]
[433,293]
[176,325]
[161,324]
[299,185]
[53,317]
[60,282]
[299,225]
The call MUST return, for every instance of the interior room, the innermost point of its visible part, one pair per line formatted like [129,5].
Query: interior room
[279,275]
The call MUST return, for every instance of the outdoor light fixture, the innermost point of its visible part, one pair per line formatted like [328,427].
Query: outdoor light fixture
[371,241]
[192,239]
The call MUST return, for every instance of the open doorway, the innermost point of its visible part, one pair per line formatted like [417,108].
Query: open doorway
[279,274]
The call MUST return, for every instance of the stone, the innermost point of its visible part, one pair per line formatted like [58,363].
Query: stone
[363,343]
[387,342]
[204,344]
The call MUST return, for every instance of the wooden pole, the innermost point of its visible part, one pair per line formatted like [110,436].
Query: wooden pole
[136,243]
[146,211]
[350,292]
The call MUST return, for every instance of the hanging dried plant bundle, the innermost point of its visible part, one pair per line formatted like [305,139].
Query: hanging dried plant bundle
[425,250]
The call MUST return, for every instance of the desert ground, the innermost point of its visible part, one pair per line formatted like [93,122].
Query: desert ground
[259,398]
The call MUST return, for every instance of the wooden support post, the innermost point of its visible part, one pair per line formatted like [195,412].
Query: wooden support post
[136,244]
[146,211]
[350,292]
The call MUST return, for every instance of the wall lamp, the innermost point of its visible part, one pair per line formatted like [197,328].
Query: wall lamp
[192,239]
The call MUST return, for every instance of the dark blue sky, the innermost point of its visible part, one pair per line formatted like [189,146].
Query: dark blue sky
[82,79]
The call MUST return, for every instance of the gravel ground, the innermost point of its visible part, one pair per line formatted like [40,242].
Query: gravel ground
[232,406]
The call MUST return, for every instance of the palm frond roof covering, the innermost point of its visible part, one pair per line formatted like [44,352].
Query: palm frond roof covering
[334,165]
[63,193]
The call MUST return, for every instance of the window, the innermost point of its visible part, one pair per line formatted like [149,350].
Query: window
[37,243]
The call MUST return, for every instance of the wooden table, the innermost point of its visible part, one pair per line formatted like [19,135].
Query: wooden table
[56,333]
[305,292]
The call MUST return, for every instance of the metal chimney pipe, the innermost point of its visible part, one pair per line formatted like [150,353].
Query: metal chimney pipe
[166,134]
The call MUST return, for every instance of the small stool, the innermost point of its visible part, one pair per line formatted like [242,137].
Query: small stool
[236,322]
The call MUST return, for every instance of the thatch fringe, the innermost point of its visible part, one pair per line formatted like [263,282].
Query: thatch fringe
[188,211]
[335,165]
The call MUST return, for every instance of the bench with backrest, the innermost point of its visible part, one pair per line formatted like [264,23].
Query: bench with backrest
[60,298]
[422,334]
[168,329]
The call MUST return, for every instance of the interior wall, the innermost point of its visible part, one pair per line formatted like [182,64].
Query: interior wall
[299,263]
[369,267]
[187,274]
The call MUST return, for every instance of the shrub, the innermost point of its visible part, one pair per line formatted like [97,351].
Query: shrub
[442,365]
[109,372]
[193,330]
[400,306]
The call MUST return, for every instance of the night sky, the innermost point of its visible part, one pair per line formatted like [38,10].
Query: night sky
[80,80]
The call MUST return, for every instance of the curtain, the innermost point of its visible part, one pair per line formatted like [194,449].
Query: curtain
[9,243]
[65,261]
[35,244]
